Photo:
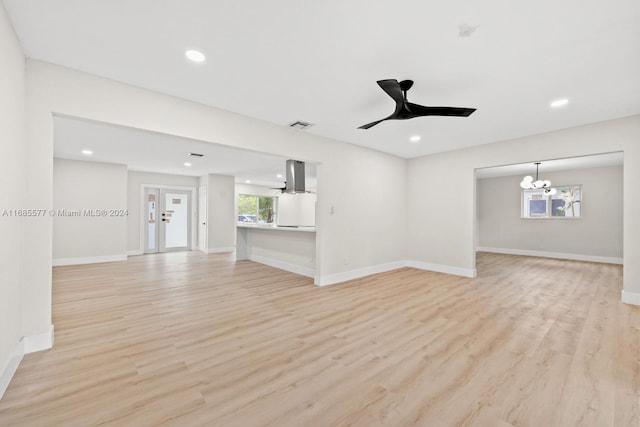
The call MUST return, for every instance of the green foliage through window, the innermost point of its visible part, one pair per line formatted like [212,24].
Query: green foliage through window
[256,209]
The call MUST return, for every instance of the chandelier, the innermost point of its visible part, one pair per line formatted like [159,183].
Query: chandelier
[528,183]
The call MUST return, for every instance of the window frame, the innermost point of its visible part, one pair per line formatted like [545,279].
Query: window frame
[525,202]
[257,211]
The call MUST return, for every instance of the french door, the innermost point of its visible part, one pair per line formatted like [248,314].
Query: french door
[167,220]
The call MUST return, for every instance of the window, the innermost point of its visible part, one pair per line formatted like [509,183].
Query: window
[256,209]
[564,204]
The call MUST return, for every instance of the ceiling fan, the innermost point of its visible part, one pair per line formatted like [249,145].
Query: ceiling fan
[285,189]
[282,189]
[407,110]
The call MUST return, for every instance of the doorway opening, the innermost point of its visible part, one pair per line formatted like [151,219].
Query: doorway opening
[513,220]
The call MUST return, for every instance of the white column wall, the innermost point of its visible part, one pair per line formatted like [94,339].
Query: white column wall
[221,223]
[12,190]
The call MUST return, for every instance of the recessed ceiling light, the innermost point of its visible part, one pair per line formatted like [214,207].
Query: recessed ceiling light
[279,175]
[415,138]
[558,103]
[87,152]
[195,55]
[187,164]
[247,182]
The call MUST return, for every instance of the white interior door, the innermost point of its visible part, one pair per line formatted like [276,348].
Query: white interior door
[202,218]
[168,220]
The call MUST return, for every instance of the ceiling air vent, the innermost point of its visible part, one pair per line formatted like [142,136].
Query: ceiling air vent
[196,155]
[300,125]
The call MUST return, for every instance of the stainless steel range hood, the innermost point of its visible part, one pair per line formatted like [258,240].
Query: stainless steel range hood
[295,177]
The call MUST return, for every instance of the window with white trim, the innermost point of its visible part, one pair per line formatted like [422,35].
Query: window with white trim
[566,203]
[256,209]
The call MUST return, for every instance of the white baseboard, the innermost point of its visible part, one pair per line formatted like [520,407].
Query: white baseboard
[26,345]
[10,367]
[88,260]
[357,273]
[441,268]
[632,298]
[33,343]
[135,252]
[292,268]
[381,268]
[220,250]
[558,255]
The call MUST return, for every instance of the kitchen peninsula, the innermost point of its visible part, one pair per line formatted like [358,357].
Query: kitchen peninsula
[288,248]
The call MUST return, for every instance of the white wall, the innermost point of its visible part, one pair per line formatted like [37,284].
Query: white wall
[80,186]
[597,235]
[441,191]
[12,187]
[135,180]
[221,224]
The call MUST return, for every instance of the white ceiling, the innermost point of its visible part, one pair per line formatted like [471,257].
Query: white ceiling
[555,165]
[156,152]
[288,60]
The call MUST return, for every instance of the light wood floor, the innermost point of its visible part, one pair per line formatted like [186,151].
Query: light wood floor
[187,339]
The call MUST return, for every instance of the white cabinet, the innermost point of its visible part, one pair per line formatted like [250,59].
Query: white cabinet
[297,209]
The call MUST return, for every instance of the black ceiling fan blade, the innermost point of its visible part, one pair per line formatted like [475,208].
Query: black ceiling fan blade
[372,124]
[421,110]
[282,189]
[393,89]
[407,110]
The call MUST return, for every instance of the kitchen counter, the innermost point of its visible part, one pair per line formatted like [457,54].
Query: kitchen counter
[306,229]
[287,248]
